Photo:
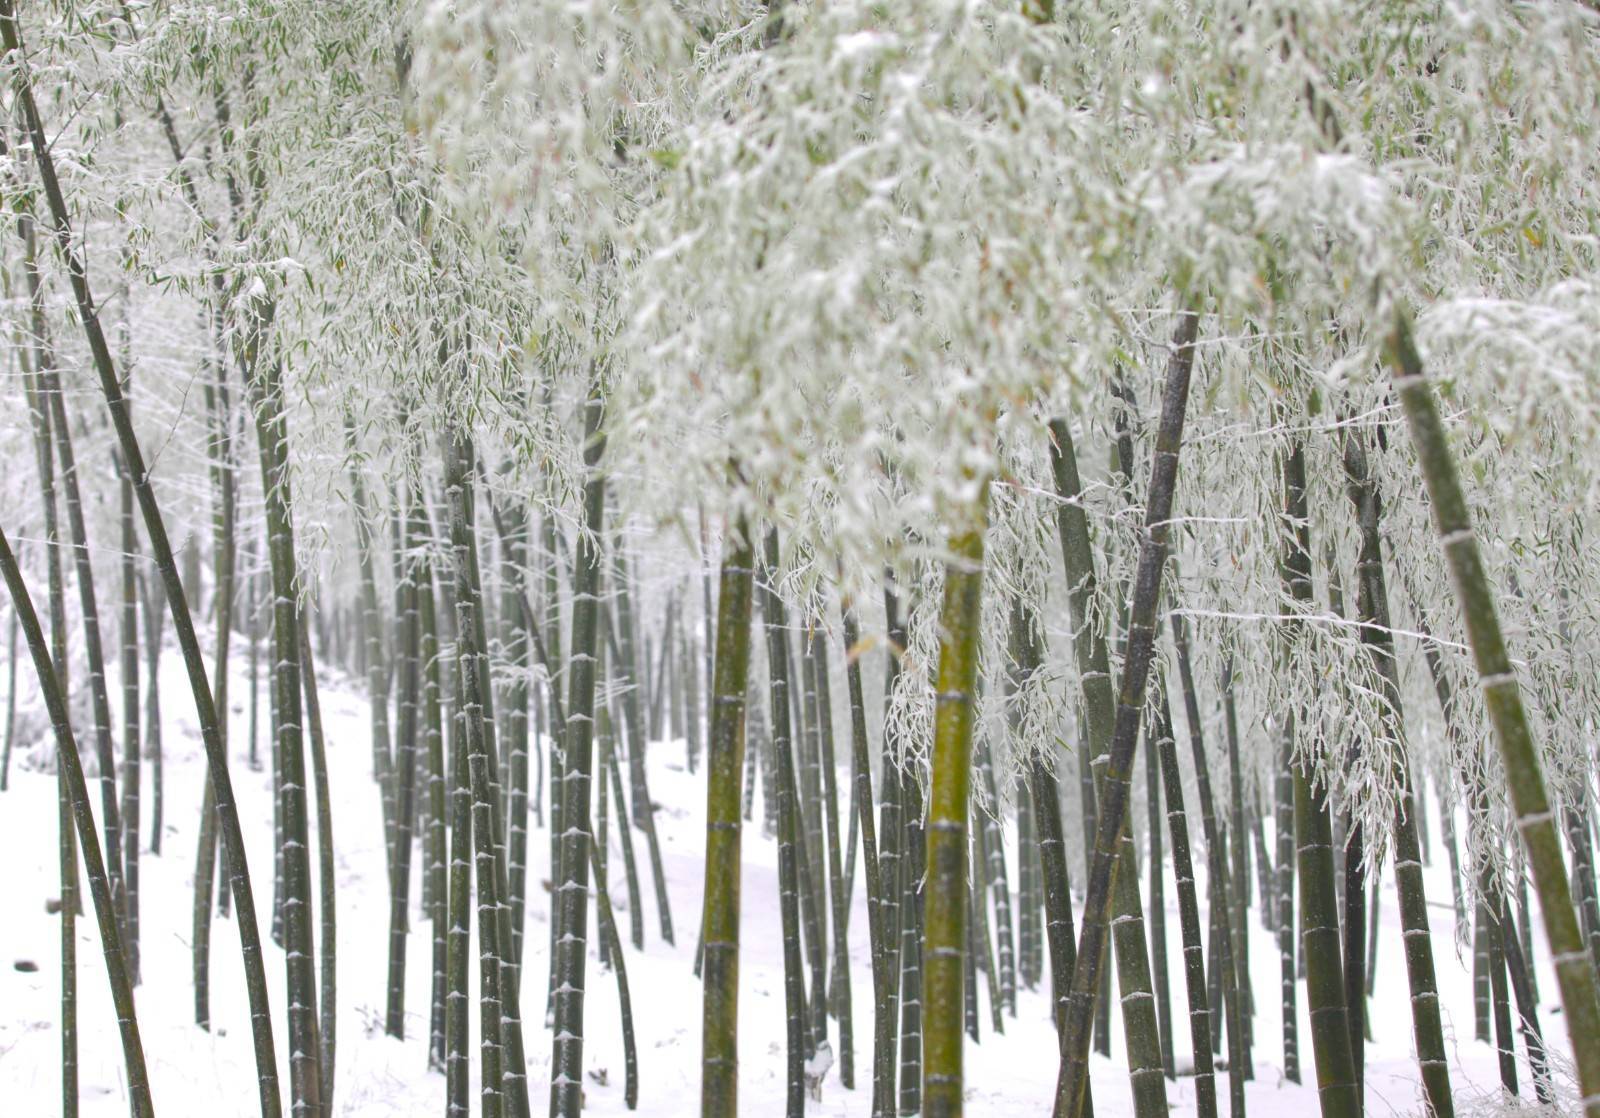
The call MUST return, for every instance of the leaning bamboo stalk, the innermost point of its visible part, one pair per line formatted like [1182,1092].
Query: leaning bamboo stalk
[1377,636]
[1114,789]
[94,864]
[1141,1026]
[1530,802]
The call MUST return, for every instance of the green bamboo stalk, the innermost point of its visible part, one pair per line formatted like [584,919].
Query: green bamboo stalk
[1527,1011]
[1294,569]
[458,473]
[1535,819]
[373,645]
[1237,942]
[883,1004]
[991,842]
[813,860]
[891,859]
[913,916]
[264,385]
[1319,920]
[572,911]
[719,1078]
[1194,956]
[1377,636]
[83,568]
[1504,1042]
[1140,1025]
[513,561]
[131,807]
[629,865]
[1113,799]
[797,1036]
[840,990]
[607,922]
[1158,905]
[644,811]
[408,664]
[457,1060]
[327,907]
[433,736]
[1044,790]
[67,847]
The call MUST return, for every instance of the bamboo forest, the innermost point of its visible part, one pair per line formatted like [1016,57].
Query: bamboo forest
[808,557]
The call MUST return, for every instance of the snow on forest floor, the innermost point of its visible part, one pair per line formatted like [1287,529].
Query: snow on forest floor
[212,1074]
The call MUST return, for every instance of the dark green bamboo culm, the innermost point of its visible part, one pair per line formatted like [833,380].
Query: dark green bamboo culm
[83,568]
[1140,1025]
[572,912]
[1504,1042]
[1377,636]
[1297,585]
[840,994]
[798,1037]
[67,847]
[945,919]
[1113,795]
[265,388]
[1319,910]
[913,913]
[131,808]
[94,864]
[327,1000]
[1533,815]
[891,859]
[607,922]
[1194,955]
[1044,789]
[408,673]
[1527,1011]
[808,820]
[1158,903]
[1236,944]
[518,625]
[435,839]
[161,550]
[458,453]
[644,812]
[630,866]
[991,843]
[719,1077]
[883,976]
[373,645]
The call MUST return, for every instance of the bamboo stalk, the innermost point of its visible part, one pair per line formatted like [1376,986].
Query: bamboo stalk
[1113,800]
[1535,818]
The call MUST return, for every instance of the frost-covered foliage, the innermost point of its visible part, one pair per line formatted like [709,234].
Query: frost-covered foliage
[834,266]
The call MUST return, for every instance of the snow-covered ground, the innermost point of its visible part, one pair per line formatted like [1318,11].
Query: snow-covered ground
[212,1074]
